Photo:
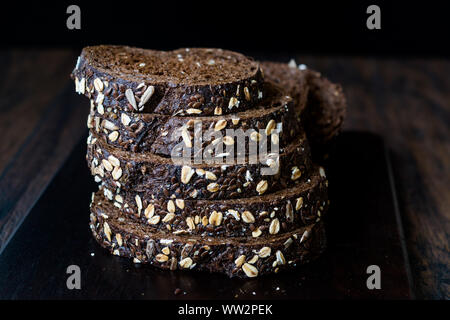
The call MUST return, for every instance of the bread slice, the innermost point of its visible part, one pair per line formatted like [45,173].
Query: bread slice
[292,80]
[323,114]
[236,257]
[167,177]
[257,216]
[212,81]
[165,135]
[326,110]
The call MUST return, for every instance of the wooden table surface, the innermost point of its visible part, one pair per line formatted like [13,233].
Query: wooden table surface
[405,101]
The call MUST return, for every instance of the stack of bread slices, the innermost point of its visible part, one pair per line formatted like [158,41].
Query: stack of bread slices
[156,205]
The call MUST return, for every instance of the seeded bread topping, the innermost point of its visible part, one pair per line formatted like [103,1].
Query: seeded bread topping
[163,177]
[294,81]
[326,110]
[166,135]
[258,216]
[243,215]
[243,257]
[139,80]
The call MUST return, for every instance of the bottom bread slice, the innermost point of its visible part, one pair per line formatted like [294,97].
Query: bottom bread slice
[236,257]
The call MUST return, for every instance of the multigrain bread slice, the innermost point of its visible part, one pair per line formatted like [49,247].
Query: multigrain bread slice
[326,110]
[182,178]
[295,82]
[166,135]
[258,216]
[323,114]
[209,81]
[244,257]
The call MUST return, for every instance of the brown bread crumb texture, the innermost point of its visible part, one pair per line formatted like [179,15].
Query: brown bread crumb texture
[163,177]
[140,80]
[221,218]
[258,216]
[324,112]
[236,257]
[323,116]
[166,135]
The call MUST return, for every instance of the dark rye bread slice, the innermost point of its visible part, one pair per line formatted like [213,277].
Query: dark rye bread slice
[292,80]
[323,114]
[259,216]
[169,82]
[164,177]
[161,134]
[326,109]
[165,135]
[244,257]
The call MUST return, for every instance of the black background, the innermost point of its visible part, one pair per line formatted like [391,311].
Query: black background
[311,27]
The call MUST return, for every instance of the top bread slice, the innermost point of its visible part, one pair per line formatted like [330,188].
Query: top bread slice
[207,81]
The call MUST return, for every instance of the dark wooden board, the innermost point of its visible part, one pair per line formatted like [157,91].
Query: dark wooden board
[363,229]
[41,120]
